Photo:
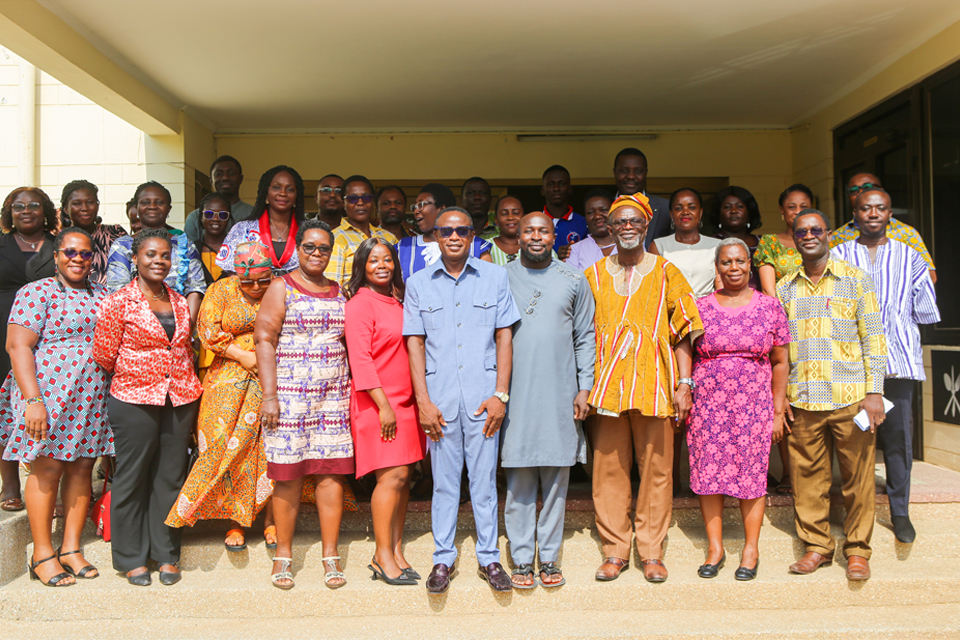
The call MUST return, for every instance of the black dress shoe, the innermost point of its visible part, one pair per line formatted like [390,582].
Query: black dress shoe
[141,579]
[903,529]
[170,577]
[494,574]
[410,571]
[439,579]
[743,574]
[711,570]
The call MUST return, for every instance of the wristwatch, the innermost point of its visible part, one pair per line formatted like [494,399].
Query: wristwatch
[502,396]
[689,382]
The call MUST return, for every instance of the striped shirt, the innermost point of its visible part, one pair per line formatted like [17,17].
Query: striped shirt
[838,353]
[346,240]
[896,230]
[906,296]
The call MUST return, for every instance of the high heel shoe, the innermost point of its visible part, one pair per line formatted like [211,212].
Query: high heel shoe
[410,572]
[55,581]
[83,574]
[378,574]
[711,570]
[743,574]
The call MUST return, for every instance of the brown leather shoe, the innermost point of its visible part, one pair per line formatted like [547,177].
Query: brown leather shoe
[810,562]
[494,574]
[858,568]
[611,569]
[654,570]
[439,579]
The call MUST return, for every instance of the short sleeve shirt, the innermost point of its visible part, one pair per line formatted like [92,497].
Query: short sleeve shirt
[458,318]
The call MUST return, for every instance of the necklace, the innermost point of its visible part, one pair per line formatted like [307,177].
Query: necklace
[33,245]
[163,293]
[308,280]
[274,232]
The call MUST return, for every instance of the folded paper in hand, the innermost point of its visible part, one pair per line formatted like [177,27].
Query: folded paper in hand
[861,419]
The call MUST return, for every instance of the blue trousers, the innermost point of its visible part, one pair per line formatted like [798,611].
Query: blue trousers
[463,441]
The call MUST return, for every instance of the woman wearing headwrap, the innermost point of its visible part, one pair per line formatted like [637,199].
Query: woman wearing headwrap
[229,479]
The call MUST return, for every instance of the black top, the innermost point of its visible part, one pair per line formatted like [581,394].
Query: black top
[16,270]
[168,320]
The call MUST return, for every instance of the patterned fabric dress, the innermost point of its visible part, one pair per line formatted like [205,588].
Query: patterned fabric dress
[730,427]
[313,387]
[229,479]
[784,260]
[73,386]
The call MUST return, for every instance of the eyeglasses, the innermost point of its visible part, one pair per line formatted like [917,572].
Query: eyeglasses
[354,198]
[263,282]
[636,223]
[73,253]
[446,232]
[863,187]
[209,214]
[328,190]
[19,207]
[420,205]
[816,232]
[324,249]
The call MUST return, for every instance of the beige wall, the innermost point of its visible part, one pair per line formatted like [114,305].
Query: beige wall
[813,137]
[76,139]
[757,160]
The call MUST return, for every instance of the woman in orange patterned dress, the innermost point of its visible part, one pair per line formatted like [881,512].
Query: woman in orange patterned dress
[229,479]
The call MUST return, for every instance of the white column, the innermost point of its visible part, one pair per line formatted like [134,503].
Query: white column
[28,125]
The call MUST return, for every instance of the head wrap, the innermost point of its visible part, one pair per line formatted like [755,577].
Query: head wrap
[249,256]
[637,201]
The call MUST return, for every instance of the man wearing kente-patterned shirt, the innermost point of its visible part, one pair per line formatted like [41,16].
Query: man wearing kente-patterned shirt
[838,359]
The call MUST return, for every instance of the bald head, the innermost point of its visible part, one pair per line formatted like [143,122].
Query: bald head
[454,217]
[537,235]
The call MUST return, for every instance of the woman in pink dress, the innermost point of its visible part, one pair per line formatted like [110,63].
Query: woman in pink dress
[740,370]
[383,413]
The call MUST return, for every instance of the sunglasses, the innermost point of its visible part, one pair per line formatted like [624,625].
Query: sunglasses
[324,249]
[73,253]
[328,190]
[354,198]
[19,207]
[446,232]
[420,205]
[210,215]
[816,232]
[863,187]
[263,282]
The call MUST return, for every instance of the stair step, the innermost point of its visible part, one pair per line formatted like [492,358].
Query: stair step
[685,547]
[249,595]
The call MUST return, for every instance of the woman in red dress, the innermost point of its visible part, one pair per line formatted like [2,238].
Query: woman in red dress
[383,414]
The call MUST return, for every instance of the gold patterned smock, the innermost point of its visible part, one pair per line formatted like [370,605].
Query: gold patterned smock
[638,323]
[229,479]
[770,250]
[839,352]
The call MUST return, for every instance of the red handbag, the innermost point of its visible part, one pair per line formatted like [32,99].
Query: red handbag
[100,514]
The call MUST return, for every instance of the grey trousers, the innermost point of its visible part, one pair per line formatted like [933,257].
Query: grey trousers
[895,439]
[151,447]
[524,530]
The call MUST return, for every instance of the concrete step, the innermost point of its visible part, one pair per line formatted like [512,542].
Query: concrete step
[248,595]
[685,547]
[917,622]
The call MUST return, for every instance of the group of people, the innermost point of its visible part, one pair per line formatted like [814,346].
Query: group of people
[291,352]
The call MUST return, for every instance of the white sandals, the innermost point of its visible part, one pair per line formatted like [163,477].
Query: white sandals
[284,574]
[330,562]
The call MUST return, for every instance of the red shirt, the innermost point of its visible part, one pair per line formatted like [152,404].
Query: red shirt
[130,343]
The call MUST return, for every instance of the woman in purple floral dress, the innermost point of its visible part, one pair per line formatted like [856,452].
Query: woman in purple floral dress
[740,370]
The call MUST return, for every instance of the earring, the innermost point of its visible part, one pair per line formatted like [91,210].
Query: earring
[700,224]
[672,226]
[748,226]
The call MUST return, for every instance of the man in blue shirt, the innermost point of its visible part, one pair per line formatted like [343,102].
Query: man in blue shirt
[457,314]
[570,227]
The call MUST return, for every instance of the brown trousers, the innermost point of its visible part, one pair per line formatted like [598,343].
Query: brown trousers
[615,441]
[814,436]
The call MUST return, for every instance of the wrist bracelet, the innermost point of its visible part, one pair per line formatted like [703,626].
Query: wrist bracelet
[34,400]
[269,399]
